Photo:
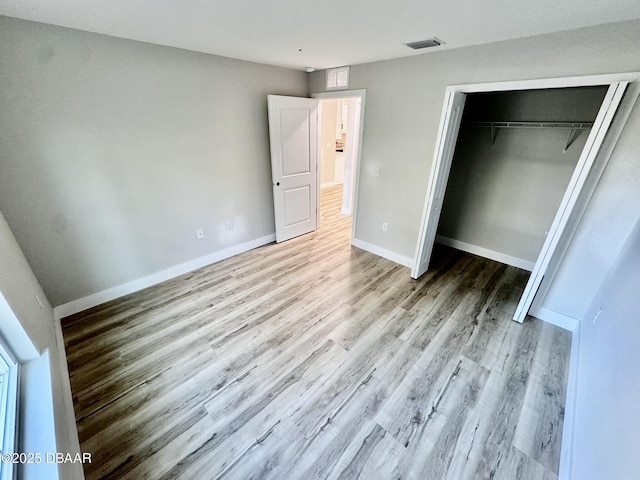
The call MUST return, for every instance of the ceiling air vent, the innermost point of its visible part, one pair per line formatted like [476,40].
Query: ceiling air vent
[430,42]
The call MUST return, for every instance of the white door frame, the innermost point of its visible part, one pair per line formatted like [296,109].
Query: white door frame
[356,184]
[617,84]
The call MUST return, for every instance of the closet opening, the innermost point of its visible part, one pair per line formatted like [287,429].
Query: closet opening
[510,163]
[514,157]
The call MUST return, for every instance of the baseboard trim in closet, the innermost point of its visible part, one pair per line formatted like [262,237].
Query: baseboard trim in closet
[99,298]
[486,253]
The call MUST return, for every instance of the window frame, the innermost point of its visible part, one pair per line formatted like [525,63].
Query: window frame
[10,369]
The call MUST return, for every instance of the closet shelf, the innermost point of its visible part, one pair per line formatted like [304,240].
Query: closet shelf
[571,126]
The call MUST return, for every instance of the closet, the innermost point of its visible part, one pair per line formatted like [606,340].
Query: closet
[514,157]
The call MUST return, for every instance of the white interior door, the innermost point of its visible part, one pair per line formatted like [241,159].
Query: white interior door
[585,162]
[293,133]
[446,143]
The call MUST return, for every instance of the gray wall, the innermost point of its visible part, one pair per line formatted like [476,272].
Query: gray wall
[504,196]
[114,152]
[404,103]
[19,287]
[328,141]
[607,419]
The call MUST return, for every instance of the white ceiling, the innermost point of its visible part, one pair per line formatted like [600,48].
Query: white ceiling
[329,32]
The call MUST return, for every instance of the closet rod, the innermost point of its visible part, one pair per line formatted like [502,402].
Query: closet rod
[573,125]
[567,125]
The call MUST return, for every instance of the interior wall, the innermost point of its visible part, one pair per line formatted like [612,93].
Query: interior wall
[114,152]
[24,295]
[404,104]
[607,221]
[328,139]
[504,197]
[607,419]
[27,300]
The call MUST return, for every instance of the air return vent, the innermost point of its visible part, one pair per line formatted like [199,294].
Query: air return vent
[429,42]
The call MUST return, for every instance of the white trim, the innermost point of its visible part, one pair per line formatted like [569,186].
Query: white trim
[383,252]
[37,432]
[98,298]
[560,82]
[565,471]
[67,439]
[555,318]
[570,405]
[345,211]
[330,184]
[9,408]
[340,94]
[486,253]
[318,160]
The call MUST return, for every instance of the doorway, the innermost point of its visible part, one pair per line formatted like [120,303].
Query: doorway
[455,98]
[337,159]
[294,132]
[340,128]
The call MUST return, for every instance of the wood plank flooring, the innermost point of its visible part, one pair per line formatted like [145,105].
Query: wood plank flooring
[313,359]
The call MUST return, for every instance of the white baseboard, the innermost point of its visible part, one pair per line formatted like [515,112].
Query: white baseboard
[98,298]
[382,252]
[487,253]
[558,319]
[67,439]
[331,184]
[345,211]
[571,400]
[568,425]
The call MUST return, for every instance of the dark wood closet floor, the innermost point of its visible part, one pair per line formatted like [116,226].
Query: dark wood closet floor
[312,359]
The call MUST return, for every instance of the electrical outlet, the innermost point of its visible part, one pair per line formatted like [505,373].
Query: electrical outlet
[385,226]
[228,225]
[200,234]
[376,171]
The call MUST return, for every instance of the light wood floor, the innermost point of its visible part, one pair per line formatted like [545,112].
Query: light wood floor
[313,359]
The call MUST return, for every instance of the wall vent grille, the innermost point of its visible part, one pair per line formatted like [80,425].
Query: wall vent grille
[430,42]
